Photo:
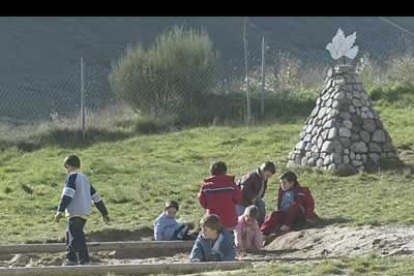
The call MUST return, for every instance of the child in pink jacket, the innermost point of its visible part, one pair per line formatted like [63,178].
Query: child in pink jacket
[247,234]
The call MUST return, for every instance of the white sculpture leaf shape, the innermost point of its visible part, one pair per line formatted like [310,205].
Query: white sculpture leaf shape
[342,46]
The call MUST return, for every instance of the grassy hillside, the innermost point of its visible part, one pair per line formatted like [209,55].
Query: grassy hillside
[135,176]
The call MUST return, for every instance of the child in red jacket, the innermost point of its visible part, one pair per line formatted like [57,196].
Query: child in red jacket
[295,204]
[219,195]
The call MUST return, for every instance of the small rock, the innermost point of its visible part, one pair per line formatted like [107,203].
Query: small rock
[345,115]
[308,129]
[357,163]
[290,163]
[318,102]
[304,161]
[339,81]
[319,162]
[327,146]
[365,136]
[327,160]
[329,124]
[311,162]
[378,136]
[340,96]
[374,147]
[329,103]
[355,137]
[348,124]
[359,147]
[315,111]
[347,87]
[344,132]
[364,158]
[330,73]
[320,142]
[322,113]
[356,103]
[346,159]
[370,115]
[369,125]
[333,113]
[300,145]
[337,147]
[375,157]
[337,159]
[332,133]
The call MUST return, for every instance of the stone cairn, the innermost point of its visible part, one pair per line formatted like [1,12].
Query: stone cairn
[343,131]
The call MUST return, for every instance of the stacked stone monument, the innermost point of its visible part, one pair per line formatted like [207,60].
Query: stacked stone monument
[343,131]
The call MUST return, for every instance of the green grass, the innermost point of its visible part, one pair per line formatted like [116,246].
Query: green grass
[136,175]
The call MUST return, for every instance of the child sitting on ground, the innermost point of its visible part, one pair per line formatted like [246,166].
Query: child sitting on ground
[247,233]
[166,227]
[214,243]
[295,204]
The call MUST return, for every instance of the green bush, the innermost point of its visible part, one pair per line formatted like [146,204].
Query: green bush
[168,79]
[393,93]
[229,108]
[401,68]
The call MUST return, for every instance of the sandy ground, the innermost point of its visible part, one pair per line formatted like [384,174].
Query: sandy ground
[303,245]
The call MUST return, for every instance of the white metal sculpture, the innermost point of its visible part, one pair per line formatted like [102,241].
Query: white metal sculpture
[342,46]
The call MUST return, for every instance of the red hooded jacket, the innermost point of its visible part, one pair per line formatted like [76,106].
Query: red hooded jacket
[303,197]
[219,195]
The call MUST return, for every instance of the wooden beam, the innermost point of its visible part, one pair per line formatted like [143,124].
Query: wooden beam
[142,269]
[94,246]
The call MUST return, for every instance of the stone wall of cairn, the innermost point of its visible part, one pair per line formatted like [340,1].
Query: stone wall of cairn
[343,129]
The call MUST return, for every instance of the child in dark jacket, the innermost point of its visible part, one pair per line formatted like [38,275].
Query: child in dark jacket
[166,227]
[295,204]
[214,243]
[219,195]
[253,187]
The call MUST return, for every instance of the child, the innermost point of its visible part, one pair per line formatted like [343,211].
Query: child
[214,243]
[253,187]
[247,233]
[295,204]
[166,228]
[219,195]
[76,200]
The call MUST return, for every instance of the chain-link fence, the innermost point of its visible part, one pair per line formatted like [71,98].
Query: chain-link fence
[33,102]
